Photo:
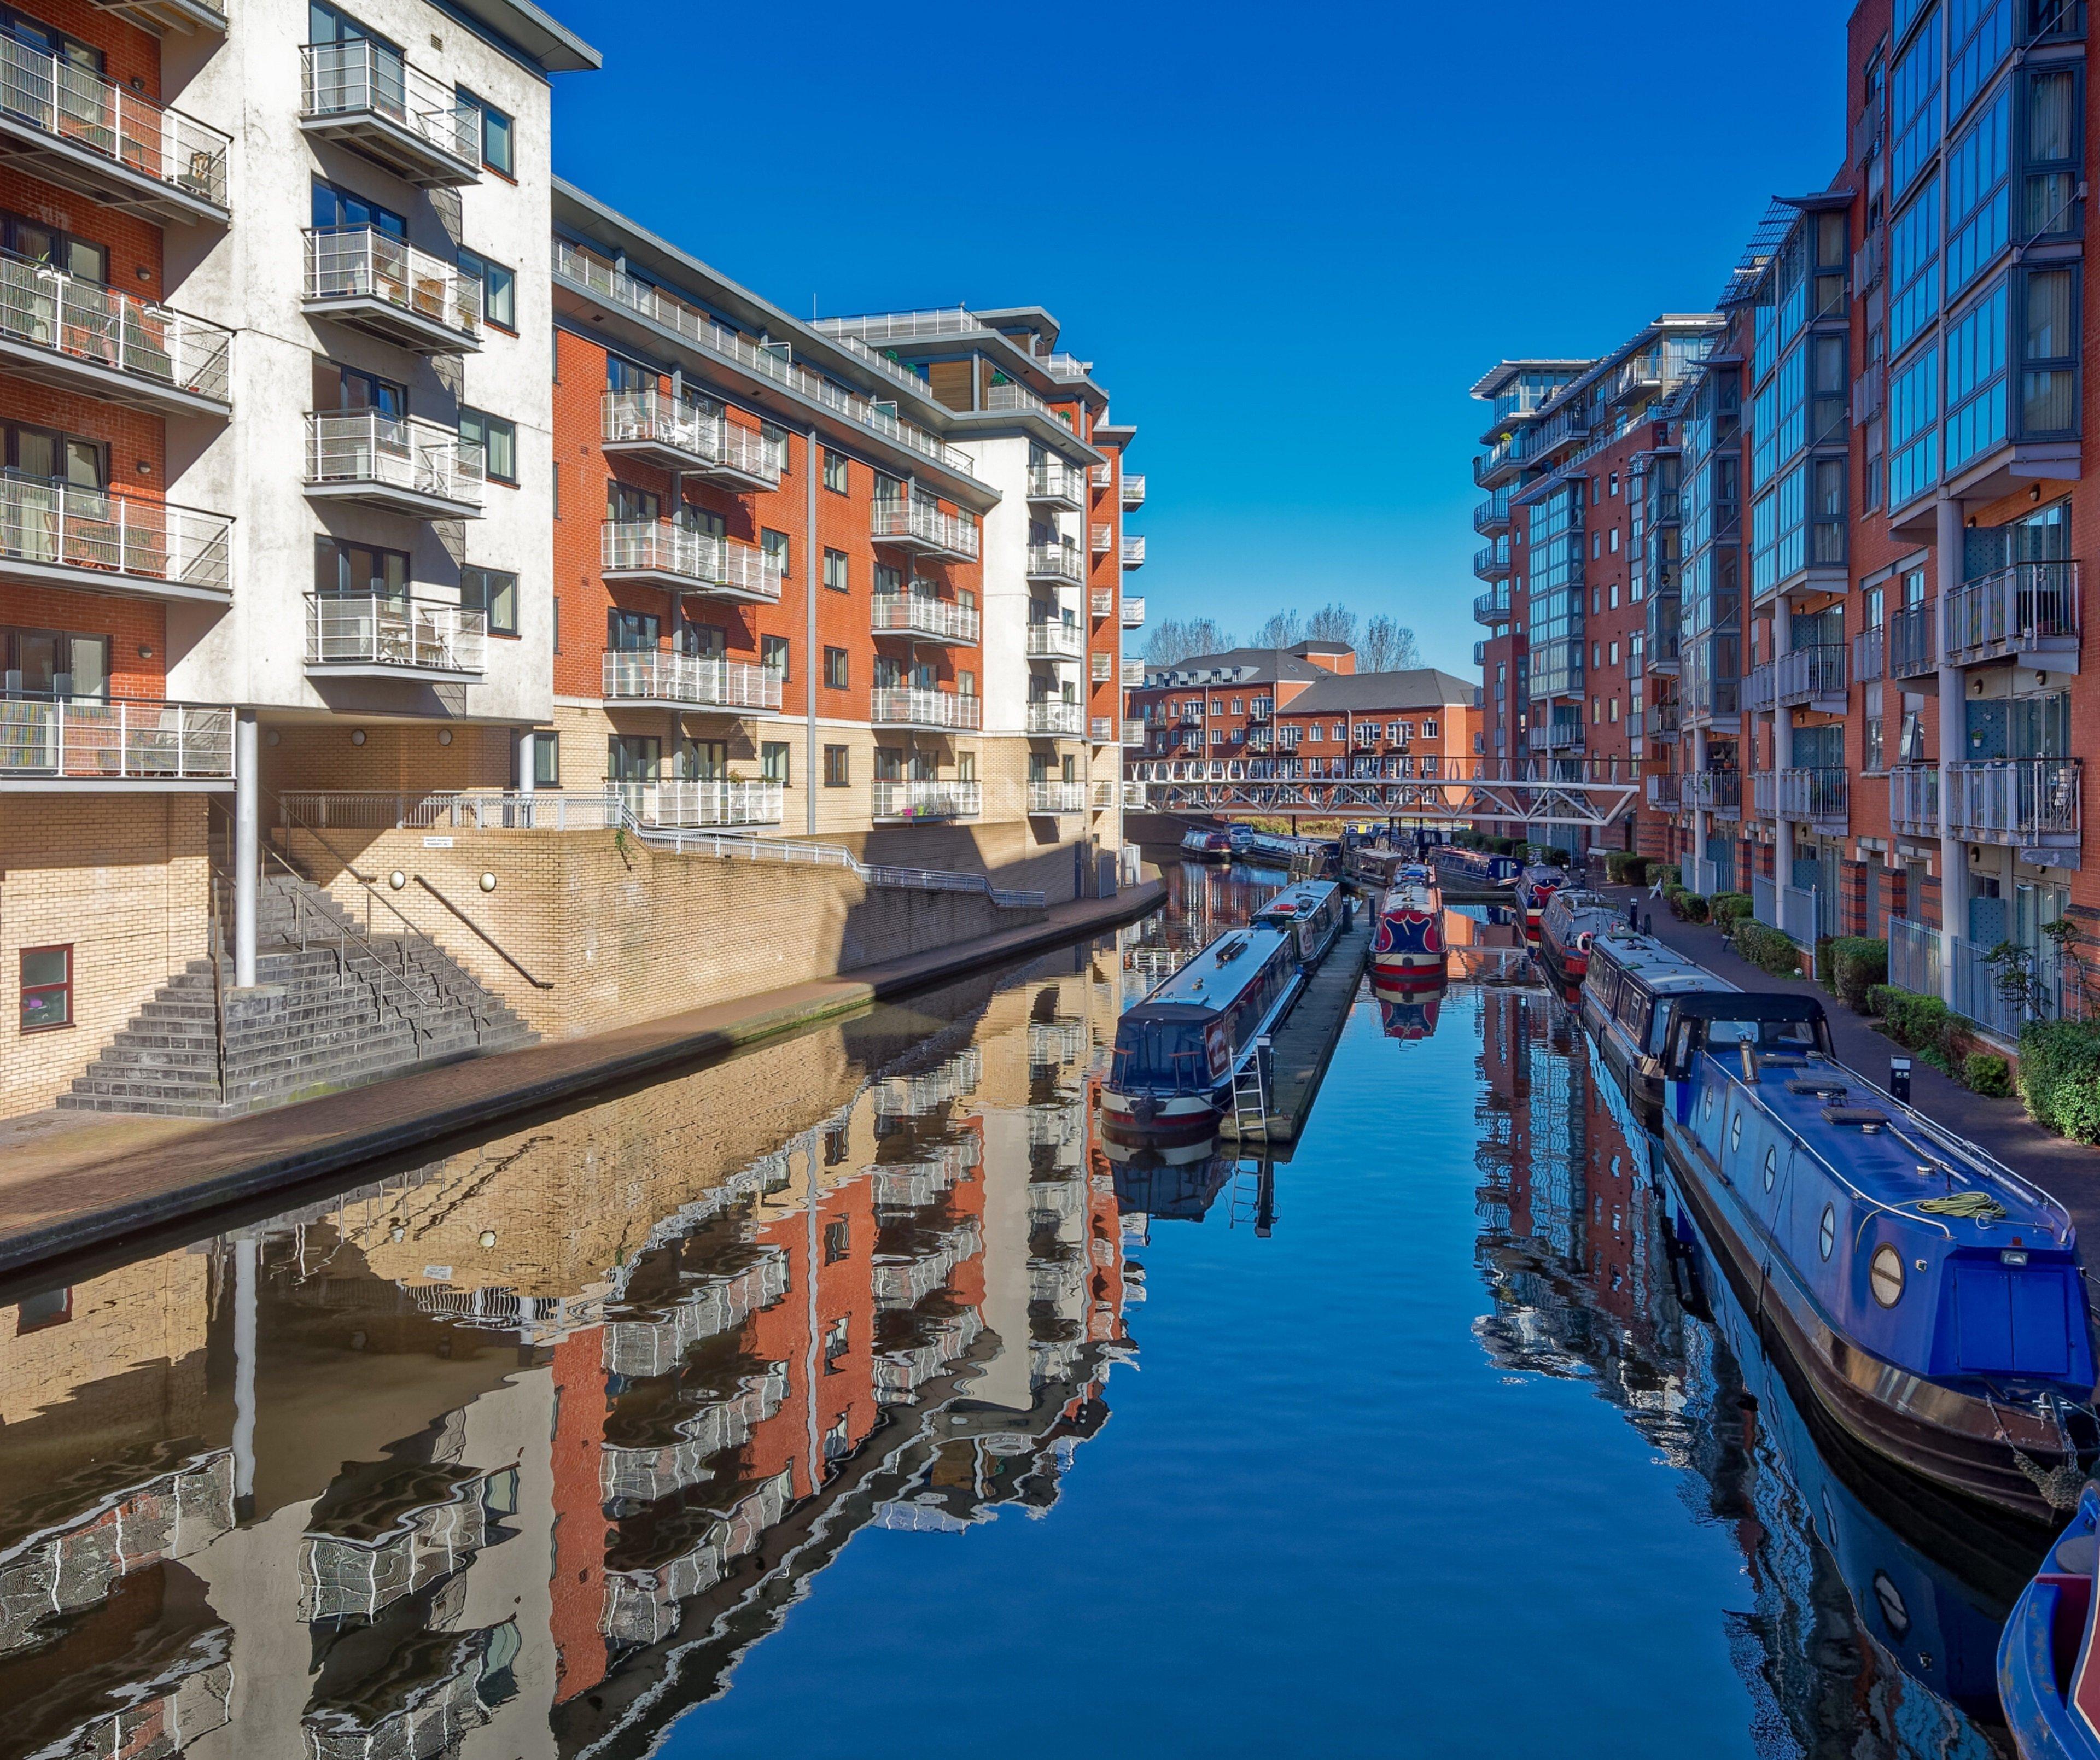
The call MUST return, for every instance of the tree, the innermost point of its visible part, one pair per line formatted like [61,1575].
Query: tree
[1387,647]
[1283,630]
[1332,623]
[1181,638]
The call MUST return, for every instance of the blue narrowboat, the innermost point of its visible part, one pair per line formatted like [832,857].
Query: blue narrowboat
[1572,921]
[2049,1676]
[1626,998]
[1927,1298]
[1175,1051]
[1207,846]
[1474,870]
[1313,911]
[1535,888]
[1407,946]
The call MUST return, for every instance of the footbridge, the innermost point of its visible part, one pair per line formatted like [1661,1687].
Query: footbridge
[1225,790]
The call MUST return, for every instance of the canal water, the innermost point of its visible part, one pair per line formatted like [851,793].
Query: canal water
[850,1398]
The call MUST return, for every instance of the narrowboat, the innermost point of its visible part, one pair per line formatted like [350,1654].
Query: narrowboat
[1374,865]
[1207,846]
[2049,1678]
[1407,946]
[1315,911]
[1927,1298]
[1461,869]
[1176,1051]
[1408,1011]
[1535,888]
[1303,857]
[1570,922]
[1627,993]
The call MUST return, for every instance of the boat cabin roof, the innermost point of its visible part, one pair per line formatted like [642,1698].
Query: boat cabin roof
[1655,967]
[1301,900]
[1221,971]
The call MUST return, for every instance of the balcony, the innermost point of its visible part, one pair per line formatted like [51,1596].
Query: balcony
[1557,736]
[1133,612]
[372,637]
[1101,602]
[1662,792]
[924,618]
[168,18]
[1103,539]
[1101,668]
[1759,694]
[1061,563]
[674,435]
[1052,799]
[398,464]
[2029,805]
[1816,797]
[1133,674]
[1055,484]
[1133,734]
[1481,652]
[1811,677]
[1491,562]
[907,802]
[1666,721]
[1051,638]
[682,560]
[691,680]
[939,710]
[68,744]
[1867,654]
[1133,491]
[1050,719]
[1101,729]
[1492,516]
[1719,792]
[1911,652]
[1133,553]
[907,523]
[2026,614]
[1665,632]
[81,337]
[359,276]
[692,804]
[1492,609]
[64,124]
[363,96]
[60,535]
[1914,799]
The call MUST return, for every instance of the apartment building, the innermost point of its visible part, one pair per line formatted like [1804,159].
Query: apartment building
[272,311]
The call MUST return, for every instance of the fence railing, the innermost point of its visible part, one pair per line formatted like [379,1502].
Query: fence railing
[1133,553]
[395,452]
[89,742]
[1051,797]
[1914,799]
[626,417]
[1133,612]
[1867,648]
[1915,959]
[1805,674]
[701,802]
[2025,607]
[1705,874]
[920,614]
[906,706]
[1055,480]
[1663,793]
[907,519]
[1912,652]
[418,634]
[1055,719]
[1053,639]
[1103,538]
[68,526]
[653,675]
[1055,562]
[1979,996]
[1133,488]
[1760,688]
[362,262]
[88,112]
[927,799]
[83,321]
[351,79]
[2016,800]
[1819,793]
[661,547]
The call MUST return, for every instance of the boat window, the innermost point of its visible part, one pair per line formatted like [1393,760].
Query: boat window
[1629,1008]
[1771,1166]
[1736,1134]
[1723,1036]
[1826,1230]
[1167,1054]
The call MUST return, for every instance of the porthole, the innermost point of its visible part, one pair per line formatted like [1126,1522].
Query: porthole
[1708,1112]
[1826,1231]
[1887,1275]
[1736,1134]
[1771,1167]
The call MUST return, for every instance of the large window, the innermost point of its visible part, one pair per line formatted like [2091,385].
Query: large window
[2049,354]
[495,592]
[1914,429]
[1976,379]
[497,437]
[1914,104]
[343,569]
[52,662]
[1914,267]
[835,670]
[1979,194]
[1980,32]
[499,291]
[342,209]
[2049,170]
[496,130]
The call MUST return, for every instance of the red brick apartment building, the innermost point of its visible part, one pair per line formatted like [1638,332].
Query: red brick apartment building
[1864,699]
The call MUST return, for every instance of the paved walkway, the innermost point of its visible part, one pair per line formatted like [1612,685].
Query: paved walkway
[73,1182]
[2069,1170]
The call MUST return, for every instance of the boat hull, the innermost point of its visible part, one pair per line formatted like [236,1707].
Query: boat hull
[2049,1625]
[1144,1118]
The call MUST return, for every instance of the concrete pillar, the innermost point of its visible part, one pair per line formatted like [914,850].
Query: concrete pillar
[1782,758]
[1953,852]
[1698,815]
[247,846]
[246,1251]
[526,737]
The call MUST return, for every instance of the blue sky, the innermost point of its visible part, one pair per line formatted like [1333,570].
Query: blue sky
[1289,241]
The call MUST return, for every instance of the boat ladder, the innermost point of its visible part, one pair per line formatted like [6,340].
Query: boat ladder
[1250,1093]
[1254,1196]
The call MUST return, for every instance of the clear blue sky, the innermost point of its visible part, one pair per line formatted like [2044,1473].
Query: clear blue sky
[1288,239]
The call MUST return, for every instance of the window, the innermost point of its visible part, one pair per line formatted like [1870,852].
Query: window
[773,762]
[1976,379]
[2049,167]
[775,442]
[46,988]
[966,684]
[1914,267]
[1429,730]
[1914,429]
[2049,354]
[494,591]
[1979,195]
[632,758]
[837,576]
[632,632]
[836,479]
[341,211]
[774,544]
[546,760]
[343,569]
[835,668]
[1914,105]
[835,767]
[46,1307]
[499,293]
[966,766]
[344,390]
[772,654]
[623,375]
[496,134]
[497,438]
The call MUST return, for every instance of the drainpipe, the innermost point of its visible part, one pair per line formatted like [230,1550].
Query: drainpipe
[247,850]
[809,654]
[1953,853]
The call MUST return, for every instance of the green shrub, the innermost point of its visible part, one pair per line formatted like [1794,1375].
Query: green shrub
[1856,964]
[1623,868]
[1825,975]
[1767,948]
[1731,907]
[1987,1073]
[1696,907]
[1675,896]
[1555,858]
[1922,1023]
[2059,1077]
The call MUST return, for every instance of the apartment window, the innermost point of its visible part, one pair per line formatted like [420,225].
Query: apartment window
[773,653]
[1914,104]
[2048,205]
[46,988]
[835,767]
[836,573]
[773,762]
[888,581]
[499,291]
[1429,730]
[495,592]
[1239,707]
[966,684]
[774,544]
[1613,535]
[497,438]
[1979,194]
[344,390]
[546,760]
[1914,429]
[1913,266]
[835,668]
[2049,354]
[836,477]
[632,632]
[334,210]
[342,570]
[496,148]
[775,442]
[966,766]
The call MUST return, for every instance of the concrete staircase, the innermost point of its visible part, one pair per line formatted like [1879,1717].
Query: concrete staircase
[327,1011]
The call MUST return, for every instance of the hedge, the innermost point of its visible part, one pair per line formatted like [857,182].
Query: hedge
[1987,1073]
[1732,907]
[2059,1077]
[1922,1023]
[1767,948]
[1623,867]
[1857,963]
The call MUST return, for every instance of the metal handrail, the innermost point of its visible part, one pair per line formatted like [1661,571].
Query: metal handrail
[363,262]
[502,952]
[346,78]
[89,112]
[73,526]
[86,321]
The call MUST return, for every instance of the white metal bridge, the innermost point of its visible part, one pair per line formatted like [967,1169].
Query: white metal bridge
[1223,788]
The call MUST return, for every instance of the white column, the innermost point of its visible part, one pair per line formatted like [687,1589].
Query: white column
[1953,852]
[1698,814]
[525,750]
[247,848]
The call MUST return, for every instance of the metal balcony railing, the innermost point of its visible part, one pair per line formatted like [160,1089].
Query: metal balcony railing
[1103,539]
[684,430]
[1101,602]
[1714,791]
[87,118]
[2019,801]
[1054,639]
[1133,489]
[1812,674]
[62,524]
[1914,799]
[1102,668]
[415,635]
[1491,608]
[1491,515]
[927,799]
[1057,561]
[1012,396]
[1817,794]
[1101,729]
[655,676]
[361,262]
[89,742]
[2028,612]
[1760,691]
[364,78]
[1056,481]
[1663,793]
[1133,674]
[1052,719]
[1133,553]
[1868,649]
[658,547]
[924,616]
[411,457]
[910,523]
[1491,561]
[1557,736]
[1133,612]
[701,802]
[1101,476]
[1666,719]
[1911,652]
[1056,797]
[904,706]
[1133,733]
[71,321]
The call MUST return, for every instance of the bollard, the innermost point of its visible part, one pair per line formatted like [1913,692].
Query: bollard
[1899,1078]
